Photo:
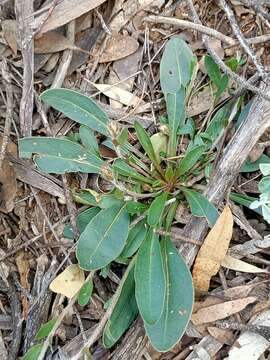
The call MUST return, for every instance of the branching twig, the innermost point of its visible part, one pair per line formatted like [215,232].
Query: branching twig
[237,32]
[204,30]
[238,79]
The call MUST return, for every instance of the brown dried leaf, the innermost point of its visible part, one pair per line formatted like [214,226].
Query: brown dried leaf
[10,34]
[213,251]
[221,311]
[230,262]
[222,335]
[52,42]
[23,268]
[8,181]
[118,47]
[202,101]
[64,12]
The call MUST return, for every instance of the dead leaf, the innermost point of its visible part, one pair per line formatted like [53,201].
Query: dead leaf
[230,262]
[52,42]
[250,342]
[123,96]
[224,336]
[8,181]
[64,12]
[9,28]
[118,47]
[202,101]
[221,311]
[23,268]
[69,282]
[213,251]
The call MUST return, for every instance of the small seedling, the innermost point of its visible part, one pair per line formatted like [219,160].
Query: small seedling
[131,224]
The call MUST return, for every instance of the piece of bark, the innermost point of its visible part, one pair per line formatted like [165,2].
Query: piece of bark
[132,344]
[27,173]
[38,313]
[24,16]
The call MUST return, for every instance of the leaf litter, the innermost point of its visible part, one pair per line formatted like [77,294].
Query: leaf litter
[128,51]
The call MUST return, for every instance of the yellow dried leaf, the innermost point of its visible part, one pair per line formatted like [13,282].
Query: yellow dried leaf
[69,282]
[221,311]
[213,251]
[230,262]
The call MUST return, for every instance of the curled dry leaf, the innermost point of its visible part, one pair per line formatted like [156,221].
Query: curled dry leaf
[230,262]
[69,282]
[213,251]
[118,47]
[23,268]
[220,311]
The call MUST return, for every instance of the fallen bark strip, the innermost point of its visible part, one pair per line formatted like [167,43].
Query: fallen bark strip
[236,152]
[24,16]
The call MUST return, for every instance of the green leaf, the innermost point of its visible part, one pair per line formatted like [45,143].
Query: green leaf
[150,279]
[190,159]
[135,207]
[179,299]
[223,84]
[160,144]
[176,66]
[135,238]
[85,293]
[103,238]
[122,168]
[264,185]
[88,139]
[33,352]
[265,168]
[123,314]
[176,116]
[245,200]
[122,137]
[213,70]
[85,197]
[249,166]
[219,122]
[82,220]
[59,155]
[45,329]
[156,209]
[201,206]
[145,141]
[77,107]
